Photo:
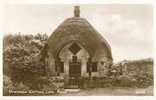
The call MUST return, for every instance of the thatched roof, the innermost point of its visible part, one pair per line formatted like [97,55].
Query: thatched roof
[77,29]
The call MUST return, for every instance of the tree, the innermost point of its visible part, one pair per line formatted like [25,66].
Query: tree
[22,57]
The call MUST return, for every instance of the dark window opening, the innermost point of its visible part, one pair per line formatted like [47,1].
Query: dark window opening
[74,59]
[74,48]
[61,67]
[55,68]
[94,67]
[88,66]
[102,62]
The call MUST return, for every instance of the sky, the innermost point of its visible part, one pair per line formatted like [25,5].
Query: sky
[128,28]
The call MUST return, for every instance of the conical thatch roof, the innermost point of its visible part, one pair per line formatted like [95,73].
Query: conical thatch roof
[79,30]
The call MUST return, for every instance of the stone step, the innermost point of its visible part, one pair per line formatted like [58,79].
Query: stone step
[71,87]
[72,90]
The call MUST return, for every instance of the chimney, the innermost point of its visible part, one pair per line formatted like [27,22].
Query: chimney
[76,11]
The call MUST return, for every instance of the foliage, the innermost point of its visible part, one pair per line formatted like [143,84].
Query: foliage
[22,58]
[143,80]
[7,84]
[24,67]
[52,84]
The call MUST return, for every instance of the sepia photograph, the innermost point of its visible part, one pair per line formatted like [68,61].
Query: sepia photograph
[78,50]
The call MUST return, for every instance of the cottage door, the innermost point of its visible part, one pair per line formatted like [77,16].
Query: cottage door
[74,71]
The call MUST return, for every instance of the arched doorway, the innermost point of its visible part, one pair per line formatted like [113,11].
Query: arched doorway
[73,58]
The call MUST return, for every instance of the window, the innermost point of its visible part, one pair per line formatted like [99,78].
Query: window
[74,59]
[102,63]
[75,48]
[61,67]
[56,66]
[94,66]
[88,65]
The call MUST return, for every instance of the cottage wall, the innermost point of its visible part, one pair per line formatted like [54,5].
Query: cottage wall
[65,56]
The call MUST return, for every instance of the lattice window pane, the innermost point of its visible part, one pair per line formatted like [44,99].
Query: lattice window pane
[74,48]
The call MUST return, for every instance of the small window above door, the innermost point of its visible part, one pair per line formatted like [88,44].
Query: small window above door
[74,48]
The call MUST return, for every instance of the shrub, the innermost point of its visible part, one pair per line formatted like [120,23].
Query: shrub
[9,86]
[124,81]
[52,84]
[22,61]
[144,80]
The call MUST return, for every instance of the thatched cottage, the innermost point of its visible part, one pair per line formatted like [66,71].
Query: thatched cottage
[75,49]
